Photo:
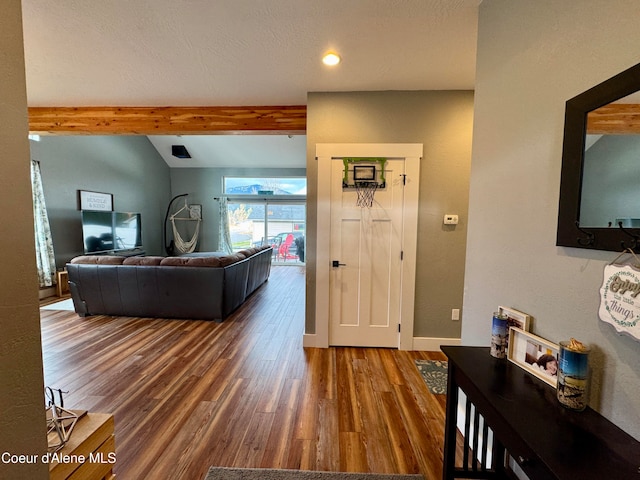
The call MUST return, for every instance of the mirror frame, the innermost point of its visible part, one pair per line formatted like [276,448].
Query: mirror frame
[569,232]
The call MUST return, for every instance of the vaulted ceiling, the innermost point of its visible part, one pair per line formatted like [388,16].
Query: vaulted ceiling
[161,53]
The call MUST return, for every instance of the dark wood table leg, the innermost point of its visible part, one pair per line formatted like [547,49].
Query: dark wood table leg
[448,471]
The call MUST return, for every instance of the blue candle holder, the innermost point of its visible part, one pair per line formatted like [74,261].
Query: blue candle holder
[573,371]
[499,335]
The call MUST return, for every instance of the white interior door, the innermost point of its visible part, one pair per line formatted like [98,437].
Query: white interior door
[366,250]
[362,302]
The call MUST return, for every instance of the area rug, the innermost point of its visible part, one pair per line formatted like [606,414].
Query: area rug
[434,373]
[61,305]
[224,473]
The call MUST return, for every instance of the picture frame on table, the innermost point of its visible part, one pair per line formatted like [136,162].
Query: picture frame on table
[534,354]
[516,318]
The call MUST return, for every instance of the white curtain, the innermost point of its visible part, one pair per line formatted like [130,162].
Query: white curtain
[224,242]
[45,258]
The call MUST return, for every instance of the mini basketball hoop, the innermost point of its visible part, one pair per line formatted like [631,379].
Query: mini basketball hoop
[364,177]
[366,190]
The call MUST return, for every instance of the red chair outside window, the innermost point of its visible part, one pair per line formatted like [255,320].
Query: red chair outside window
[283,250]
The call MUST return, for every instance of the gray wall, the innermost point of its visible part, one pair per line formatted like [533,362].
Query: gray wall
[22,417]
[442,121]
[129,167]
[205,184]
[610,181]
[532,57]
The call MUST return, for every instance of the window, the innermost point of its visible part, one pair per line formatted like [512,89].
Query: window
[274,215]
[263,186]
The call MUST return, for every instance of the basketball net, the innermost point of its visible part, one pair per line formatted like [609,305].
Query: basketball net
[366,192]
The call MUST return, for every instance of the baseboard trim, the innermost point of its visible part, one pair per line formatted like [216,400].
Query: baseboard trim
[425,344]
[432,344]
[46,292]
[313,340]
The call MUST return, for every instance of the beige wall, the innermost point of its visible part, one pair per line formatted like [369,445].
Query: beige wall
[532,57]
[22,421]
[442,121]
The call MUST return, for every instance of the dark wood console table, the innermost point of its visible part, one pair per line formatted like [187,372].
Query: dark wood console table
[529,425]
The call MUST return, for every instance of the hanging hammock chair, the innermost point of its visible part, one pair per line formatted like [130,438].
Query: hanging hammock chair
[185,246]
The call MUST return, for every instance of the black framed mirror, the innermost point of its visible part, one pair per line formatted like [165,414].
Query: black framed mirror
[588,114]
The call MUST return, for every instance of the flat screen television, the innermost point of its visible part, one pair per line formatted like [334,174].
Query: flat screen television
[104,232]
[127,231]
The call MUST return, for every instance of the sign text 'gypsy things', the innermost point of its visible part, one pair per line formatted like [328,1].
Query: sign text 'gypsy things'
[619,300]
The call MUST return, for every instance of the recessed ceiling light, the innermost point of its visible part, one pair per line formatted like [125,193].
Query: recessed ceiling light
[331,59]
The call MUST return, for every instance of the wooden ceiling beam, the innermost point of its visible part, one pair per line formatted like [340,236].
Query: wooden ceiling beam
[289,120]
[614,119]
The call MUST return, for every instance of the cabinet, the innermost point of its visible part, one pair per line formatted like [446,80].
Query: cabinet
[62,282]
[528,425]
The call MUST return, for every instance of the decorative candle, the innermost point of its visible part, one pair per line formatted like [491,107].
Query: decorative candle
[499,332]
[573,367]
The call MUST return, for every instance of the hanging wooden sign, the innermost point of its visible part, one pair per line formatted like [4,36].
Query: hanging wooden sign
[620,297]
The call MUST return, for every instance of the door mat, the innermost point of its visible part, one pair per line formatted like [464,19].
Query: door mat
[434,373]
[224,473]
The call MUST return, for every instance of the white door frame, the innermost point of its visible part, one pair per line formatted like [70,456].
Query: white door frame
[412,154]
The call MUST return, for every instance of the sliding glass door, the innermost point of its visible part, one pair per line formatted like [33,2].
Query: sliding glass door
[268,211]
[279,224]
[285,229]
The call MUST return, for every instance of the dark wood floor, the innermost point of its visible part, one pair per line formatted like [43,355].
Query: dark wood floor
[190,394]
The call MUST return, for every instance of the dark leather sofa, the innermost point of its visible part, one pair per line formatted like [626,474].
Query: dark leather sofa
[203,287]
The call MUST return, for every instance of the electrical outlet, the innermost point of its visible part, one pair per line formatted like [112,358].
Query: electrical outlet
[450,219]
[455,314]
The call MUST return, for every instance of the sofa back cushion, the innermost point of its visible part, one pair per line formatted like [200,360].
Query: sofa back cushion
[231,259]
[182,261]
[247,252]
[99,259]
[149,261]
[191,261]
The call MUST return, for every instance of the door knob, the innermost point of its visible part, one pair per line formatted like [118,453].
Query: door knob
[336,264]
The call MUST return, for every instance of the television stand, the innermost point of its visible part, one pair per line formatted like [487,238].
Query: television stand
[135,252]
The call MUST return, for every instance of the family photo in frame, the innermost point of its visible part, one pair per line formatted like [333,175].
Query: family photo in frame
[507,318]
[516,318]
[534,354]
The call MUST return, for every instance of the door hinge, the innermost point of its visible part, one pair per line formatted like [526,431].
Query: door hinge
[401,255]
[404,178]
[398,328]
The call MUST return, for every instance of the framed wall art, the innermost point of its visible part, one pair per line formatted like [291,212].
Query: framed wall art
[96,201]
[534,354]
[195,212]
